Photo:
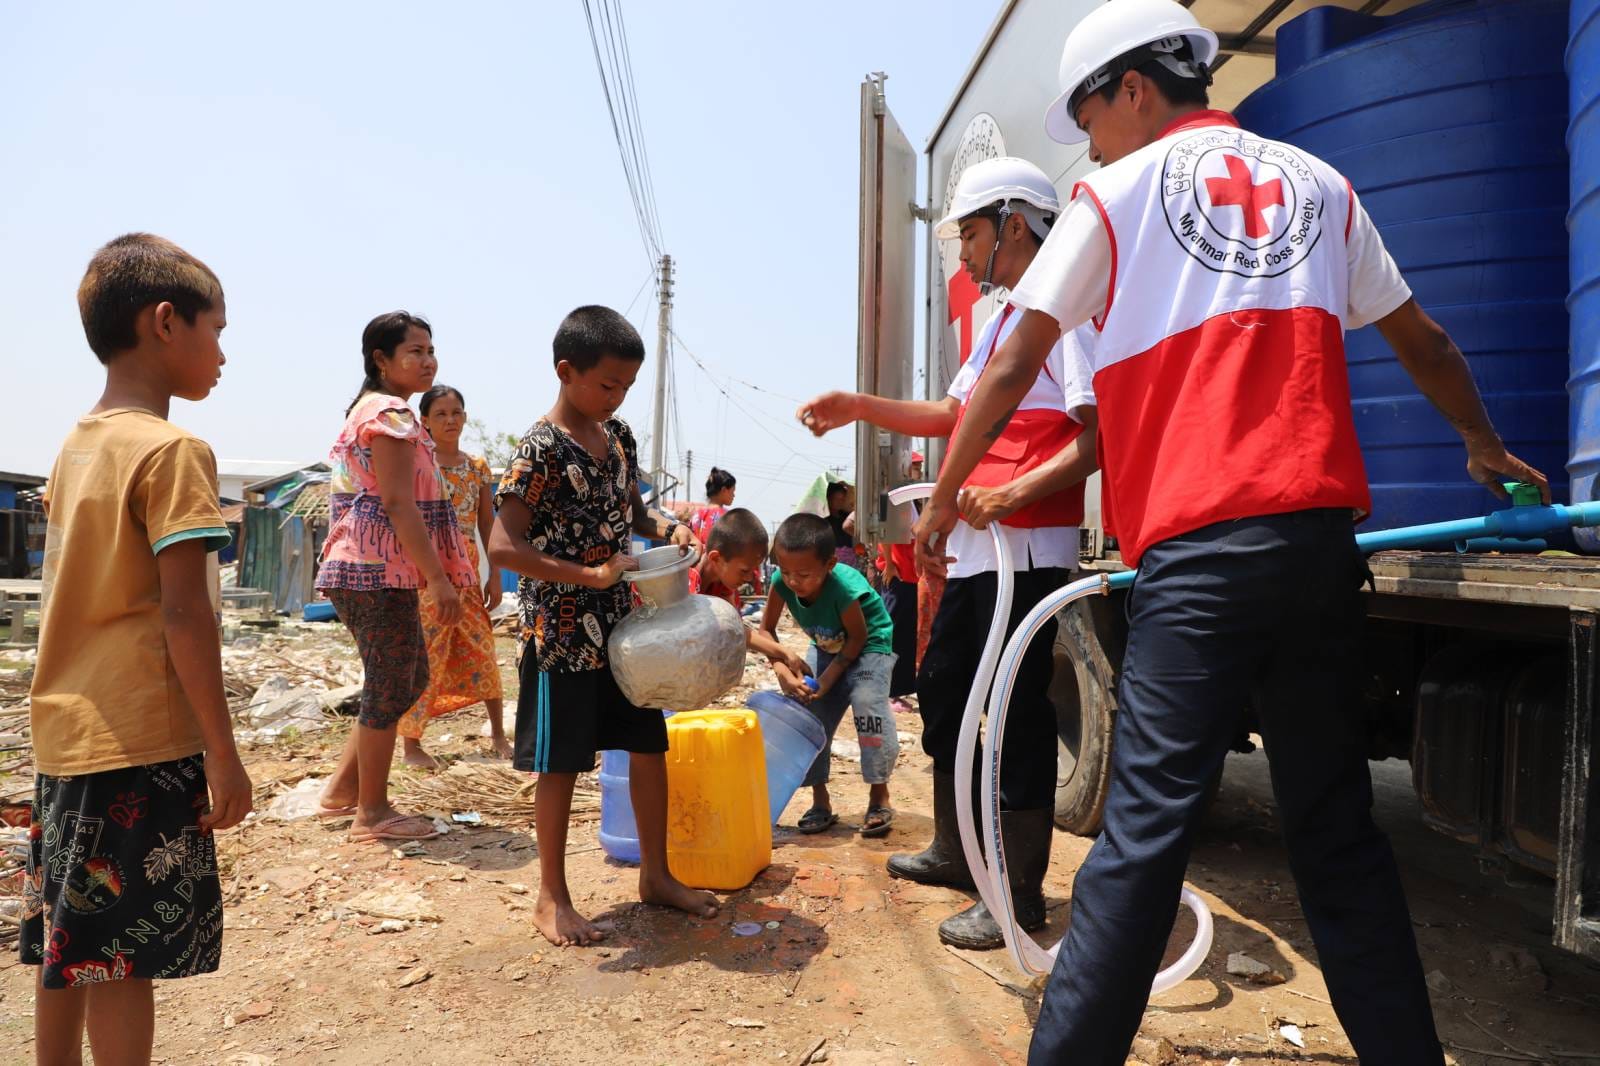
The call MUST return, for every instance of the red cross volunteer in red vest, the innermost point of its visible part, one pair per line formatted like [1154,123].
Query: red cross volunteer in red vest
[1220,271]
[1030,481]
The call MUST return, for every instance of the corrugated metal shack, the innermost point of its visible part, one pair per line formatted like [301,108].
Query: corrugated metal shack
[21,525]
[285,522]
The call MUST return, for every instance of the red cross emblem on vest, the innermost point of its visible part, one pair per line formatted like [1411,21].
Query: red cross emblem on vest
[1239,190]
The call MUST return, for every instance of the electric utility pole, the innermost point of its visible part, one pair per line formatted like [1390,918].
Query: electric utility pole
[658,431]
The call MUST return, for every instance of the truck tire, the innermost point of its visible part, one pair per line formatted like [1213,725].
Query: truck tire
[1084,692]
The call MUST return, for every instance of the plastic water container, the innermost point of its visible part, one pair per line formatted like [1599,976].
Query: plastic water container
[619,835]
[718,833]
[792,737]
[319,611]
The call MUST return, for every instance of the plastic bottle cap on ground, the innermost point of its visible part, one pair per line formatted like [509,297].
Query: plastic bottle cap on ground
[746,928]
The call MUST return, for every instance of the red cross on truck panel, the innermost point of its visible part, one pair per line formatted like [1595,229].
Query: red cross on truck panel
[963,293]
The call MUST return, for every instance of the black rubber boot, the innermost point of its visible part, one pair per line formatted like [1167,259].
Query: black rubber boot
[1027,838]
[942,862]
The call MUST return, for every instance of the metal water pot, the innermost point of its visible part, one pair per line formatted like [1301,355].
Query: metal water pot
[677,652]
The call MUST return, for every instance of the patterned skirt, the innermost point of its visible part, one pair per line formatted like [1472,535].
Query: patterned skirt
[462,668]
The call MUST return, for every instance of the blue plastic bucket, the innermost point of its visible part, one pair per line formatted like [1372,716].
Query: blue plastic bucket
[792,736]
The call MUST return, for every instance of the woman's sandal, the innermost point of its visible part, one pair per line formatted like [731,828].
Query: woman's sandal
[885,819]
[817,819]
[393,828]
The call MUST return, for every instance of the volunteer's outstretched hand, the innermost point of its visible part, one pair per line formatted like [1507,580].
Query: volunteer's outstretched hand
[828,411]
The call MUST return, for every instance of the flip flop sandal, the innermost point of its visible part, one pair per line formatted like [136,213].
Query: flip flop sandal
[886,814]
[394,828]
[817,819]
[328,814]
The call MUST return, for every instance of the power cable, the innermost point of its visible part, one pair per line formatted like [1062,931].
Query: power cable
[644,145]
[630,124]
[649,234]
[647,279]
[758,422]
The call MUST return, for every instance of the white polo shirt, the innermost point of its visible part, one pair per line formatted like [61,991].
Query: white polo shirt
[1063,385]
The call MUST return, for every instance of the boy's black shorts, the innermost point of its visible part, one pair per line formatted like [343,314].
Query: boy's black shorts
[121,881]
[564,718]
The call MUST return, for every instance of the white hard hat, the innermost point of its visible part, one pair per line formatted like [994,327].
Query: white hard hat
[994,182]
[1156,27]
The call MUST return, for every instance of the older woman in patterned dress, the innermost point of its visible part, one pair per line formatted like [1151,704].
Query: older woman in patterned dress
[462,666]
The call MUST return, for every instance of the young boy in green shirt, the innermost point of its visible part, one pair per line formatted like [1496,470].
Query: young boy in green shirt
[851,657]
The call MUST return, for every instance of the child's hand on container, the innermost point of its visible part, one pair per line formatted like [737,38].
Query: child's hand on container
[610,572]
[684,538]
[793,685]
[797,666]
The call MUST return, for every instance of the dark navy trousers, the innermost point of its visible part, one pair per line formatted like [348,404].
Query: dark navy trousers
[1265,612]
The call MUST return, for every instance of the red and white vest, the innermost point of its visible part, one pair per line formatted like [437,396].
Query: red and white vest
[1220,371]
[1032,437]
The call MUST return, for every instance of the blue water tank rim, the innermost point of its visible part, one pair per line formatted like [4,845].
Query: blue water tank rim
[1583,112]
[1575,32]
[1386,38]
[1432,90]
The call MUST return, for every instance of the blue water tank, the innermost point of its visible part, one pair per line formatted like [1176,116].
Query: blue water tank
[1448,119]
[1583,222]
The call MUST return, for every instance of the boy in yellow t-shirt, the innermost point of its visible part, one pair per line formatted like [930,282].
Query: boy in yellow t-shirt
[130,722]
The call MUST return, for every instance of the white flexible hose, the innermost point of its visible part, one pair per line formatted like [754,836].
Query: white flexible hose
[967,740]
[1000,670]
[1029,956]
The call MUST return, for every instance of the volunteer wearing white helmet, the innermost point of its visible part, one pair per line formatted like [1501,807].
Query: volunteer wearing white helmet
[1031,482]
[1221,270]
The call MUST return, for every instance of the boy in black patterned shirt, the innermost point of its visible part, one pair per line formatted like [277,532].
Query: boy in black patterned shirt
[567,504]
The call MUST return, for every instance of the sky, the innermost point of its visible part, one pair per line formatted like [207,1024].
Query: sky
[334,161]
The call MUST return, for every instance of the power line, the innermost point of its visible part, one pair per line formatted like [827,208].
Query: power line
[616,84]
[648,278]
[740,381]
[716,381]
[644,146]
[629,127]
[716,384]
[622,67]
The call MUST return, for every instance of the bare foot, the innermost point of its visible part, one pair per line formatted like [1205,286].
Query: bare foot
[416,756]
[341,804]
[501,747]
[563,926]
[664,890]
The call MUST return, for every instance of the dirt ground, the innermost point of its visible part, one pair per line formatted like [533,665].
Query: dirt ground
[851,973]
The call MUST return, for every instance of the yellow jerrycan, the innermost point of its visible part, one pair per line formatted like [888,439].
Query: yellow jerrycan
[718,830]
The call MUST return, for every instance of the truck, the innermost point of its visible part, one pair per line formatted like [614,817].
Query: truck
[1481,666]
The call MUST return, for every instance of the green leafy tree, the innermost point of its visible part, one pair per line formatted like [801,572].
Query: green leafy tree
[496,448]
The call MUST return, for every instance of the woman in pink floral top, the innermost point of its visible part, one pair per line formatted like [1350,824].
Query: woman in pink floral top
[720,488]
[394,532]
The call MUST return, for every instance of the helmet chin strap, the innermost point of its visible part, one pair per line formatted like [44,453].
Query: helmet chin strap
[986,286]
